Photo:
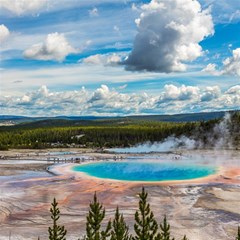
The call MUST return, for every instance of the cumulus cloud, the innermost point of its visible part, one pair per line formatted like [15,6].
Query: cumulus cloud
[211,93]
[101,93]
[172,92]
[105,101]
[211,68]
[20,7]
[54,47]
[169,33]
[106,60]
[231,65]
[4,33]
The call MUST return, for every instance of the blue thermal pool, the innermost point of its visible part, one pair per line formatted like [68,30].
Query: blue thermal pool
[144,171]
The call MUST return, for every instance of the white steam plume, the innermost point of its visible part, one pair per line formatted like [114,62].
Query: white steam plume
[219,138]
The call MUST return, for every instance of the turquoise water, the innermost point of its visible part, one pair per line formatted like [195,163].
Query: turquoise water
[144,171]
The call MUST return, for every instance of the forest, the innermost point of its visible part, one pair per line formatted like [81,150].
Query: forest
[108,133]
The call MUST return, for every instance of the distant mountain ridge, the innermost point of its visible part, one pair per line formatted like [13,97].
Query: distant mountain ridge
[74,120]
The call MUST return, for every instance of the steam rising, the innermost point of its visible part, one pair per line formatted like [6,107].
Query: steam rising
[220,137]
[223,134]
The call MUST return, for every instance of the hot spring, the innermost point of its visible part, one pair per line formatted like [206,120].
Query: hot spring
[145,171]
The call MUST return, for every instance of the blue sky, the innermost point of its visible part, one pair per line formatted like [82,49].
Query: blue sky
[119,57]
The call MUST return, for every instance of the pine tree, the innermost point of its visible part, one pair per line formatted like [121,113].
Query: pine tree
[145,225]
[95,217]
[238,236]
[165,230]
[120,229]
[57,232]
[184,238]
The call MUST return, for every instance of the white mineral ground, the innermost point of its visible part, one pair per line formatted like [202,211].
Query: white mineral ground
[203,209]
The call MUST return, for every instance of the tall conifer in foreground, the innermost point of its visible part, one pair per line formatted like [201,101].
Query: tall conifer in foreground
[95,217]
[165,230]
[119,228]
[145,225]
[185,238]
[57,232]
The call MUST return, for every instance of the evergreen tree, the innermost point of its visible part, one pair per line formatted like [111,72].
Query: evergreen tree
[165,230]
[95,217]
[120,229]
[184,238]
[238,236]
[145,225]
[57,232]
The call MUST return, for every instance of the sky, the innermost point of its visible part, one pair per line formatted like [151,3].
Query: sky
[119,57]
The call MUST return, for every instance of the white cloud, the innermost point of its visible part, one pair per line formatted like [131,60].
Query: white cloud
[231,65]
[169,33]
[106,60]
[101,94]
[20,7]
[54,47]
[211,93]
[93,12]
[234,90]
[105,101]
[172,92]
[4,33]
[211,68]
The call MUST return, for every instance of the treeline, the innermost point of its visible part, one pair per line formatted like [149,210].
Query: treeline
[91,136]
[146,226]
[117,135]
